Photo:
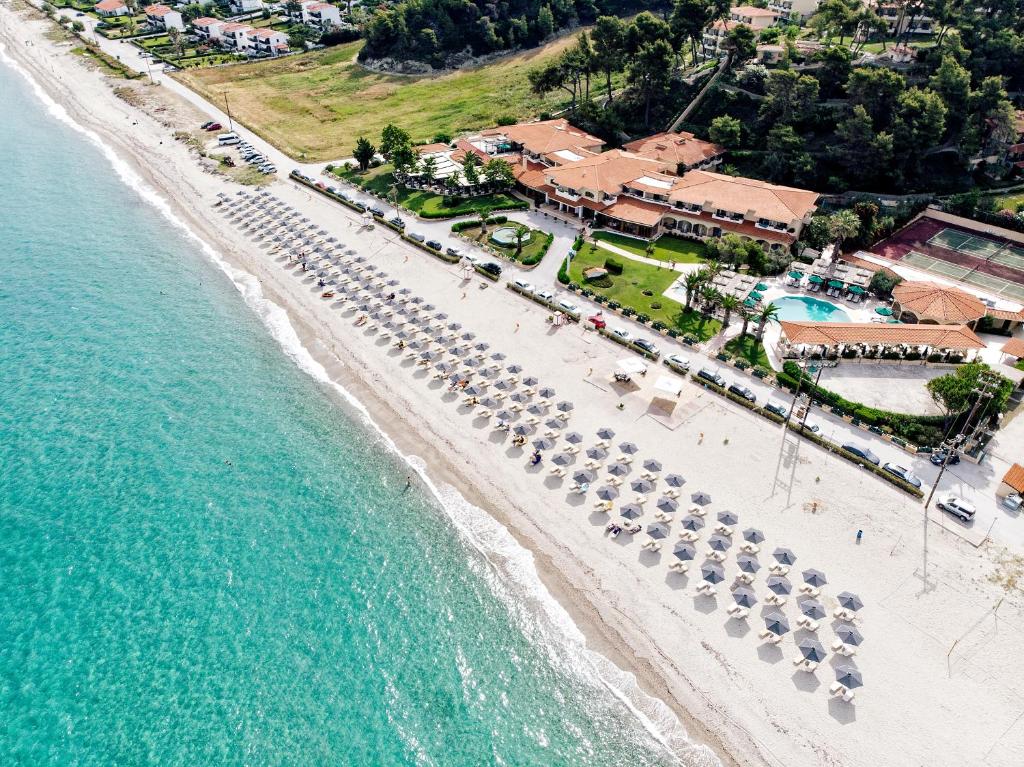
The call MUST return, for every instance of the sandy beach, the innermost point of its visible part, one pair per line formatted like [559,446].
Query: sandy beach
[939,652]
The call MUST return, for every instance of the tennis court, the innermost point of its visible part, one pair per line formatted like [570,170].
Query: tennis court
[980,247]
[988,282]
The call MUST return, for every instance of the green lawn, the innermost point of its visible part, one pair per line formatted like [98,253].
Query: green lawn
[426,203]
[1014,201]
[666,247]
[749,349]
[628,290]
[533,250]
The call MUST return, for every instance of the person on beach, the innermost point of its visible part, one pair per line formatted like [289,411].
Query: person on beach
[700,439]
[408,484]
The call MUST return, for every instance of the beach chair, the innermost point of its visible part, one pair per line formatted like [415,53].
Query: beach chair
[652,545]
[626,459]
[841,648]
[563,416]
[544,403]
[699,512]
[670,493]
[723,529]
[614,481]
[603,444]
[689,536]
[718,556]
[603,506]
[737,612]
[551,434]
[661,516]
[592,465]
[558,471]
[649,477]
[749,548]
[837,690]
[485,413]
[572,449]
[533,420]
[746,578]
[778,569]
[807,623]
[639,499]
[775,599]
[809,590]
[516,407]
[678,567]
[706,589]
[528,392]
[841,613]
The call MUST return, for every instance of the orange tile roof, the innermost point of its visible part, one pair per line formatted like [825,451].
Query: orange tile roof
[110,5]
[636,211]
[939,302]
[1014,347]
[430,148]
[1005,314]
[752,11]
[267,34]
[1015,477]
[157,10]
[235,27]
[836,333]
[547,136]
[673,149]
[205,20]
[739,195]
[606,172]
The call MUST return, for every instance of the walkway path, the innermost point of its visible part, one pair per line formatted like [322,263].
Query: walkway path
[674,265]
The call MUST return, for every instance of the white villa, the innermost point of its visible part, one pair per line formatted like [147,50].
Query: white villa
[108,8]
[209,29]
[320,15]
[164,17]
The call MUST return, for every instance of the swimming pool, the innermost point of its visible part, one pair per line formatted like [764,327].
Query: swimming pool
[807,309]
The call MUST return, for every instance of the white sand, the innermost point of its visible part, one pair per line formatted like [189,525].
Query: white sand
[942,685]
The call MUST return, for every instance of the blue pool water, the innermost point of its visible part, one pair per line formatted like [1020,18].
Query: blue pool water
[808,309]
[207,559]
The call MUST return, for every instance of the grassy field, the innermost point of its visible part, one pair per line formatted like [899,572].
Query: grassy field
[666,247]
[426,203]
[749,349]
[533,249]
[314,106]
[628,290]
[1014,201]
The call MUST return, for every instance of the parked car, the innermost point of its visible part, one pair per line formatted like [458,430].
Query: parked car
[206,125]
[862,452]
[597,321]
[453,252]
[267,169]
[434,244]
[213,127]
[376,211]
[256,159]
[647,346]
[546,295]
[416,236]
[743,391]
[397,222]
[957,506]
[678,362]
[710,375]
[903,473]
[939,457]
[523,285]
[491,268]
[566,305]
[778,409]
[622,333]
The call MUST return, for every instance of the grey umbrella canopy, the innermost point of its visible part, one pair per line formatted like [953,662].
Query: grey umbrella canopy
[684,550]
[748,563]
[811,649]
[543,443]
[849,677]
[489,402]
[629,448]
[652,465]
[475,390]
[564,406]
[693,522]
[744,596]
[535,409]
[553,423]
[631,511]
[776,623]
[668,505]
[727,518]
[518,396]
[529,380]
[469,335]
[850,601]
[812,608]
[546,392]
[574,438]
[607,493]
[753,535]
[712,572]
[658,530]
[701,498]
[605,433]
[675,480]
[514,369]
[505,415]
[642,485]
[784,556]
[618,469]
[498,356]
[523,429]
[814,578]
[849,634]
[563,459]
[719,542]
[597,453]
[779,584]
[583,476]
[504,385]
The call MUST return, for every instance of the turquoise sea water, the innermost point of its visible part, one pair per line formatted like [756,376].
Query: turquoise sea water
[204,558]
[808,309]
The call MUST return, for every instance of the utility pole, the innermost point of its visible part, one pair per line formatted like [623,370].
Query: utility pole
[227,107]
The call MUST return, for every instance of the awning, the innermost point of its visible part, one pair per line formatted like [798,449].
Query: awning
[750,302]
[815,279]
[755,295]
[632,365]
[669,385]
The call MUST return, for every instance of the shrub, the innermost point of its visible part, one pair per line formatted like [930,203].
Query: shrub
[614,305]
[586,292]
[643,318]
[613,266]
[673,333]
[723,356]
[690,339]
[604,281]
[629,311]
[647,293]
[658,325]
[600,298]
[573,287]
[935,357]
[741,364]
[760,372]
[656,305]
[577,244]
[563,272]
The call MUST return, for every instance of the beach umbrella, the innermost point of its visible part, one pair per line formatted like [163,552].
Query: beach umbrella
[475,390]
[652,465]
[522,429]
[429,356]
[498,356]
[607,493]
[753,535]
[693,523]
[546,392]
[482,346]
[701,498]
[631,511]
[642,485]
[505,415]
[451,325]
[719,542]
[563,459]
[414,299]
[447,367]
[618,469]
[668,505]
[684,550]
[518,396]
[784,556]
[514,369]
[597,453]
[727,518]
[530,381]
[543,443]
[811,649]
[812,608]
[553,424]
[574,438]
[744,596]
[564,406]
[849,634]
[426,307]
[536,409]
[658,530]
[776,623]
[504,385]
[628,448]
[674,480]
[583,477]
[748,563]
[712,572]
[469,335]
[489,402]
[849,601]
[605,433]
[815,279]
[849,677]
[814,577]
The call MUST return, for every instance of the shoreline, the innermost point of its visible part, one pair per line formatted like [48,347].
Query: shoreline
[574,598]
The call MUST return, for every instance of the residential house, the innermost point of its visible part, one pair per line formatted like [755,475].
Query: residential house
[163,17]
[754,17]
[677,152]
[269,42]
[714,38]
[209,29]
[108,8]
[786,9]
[245,6]
[237,36]
[320,15]
[901,19]
[546,142]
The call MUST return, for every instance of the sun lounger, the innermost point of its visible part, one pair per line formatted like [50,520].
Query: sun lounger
[839,691]
[749,548]
[747,578]
[529,392]
[572,449]
[803,664]
[626,459]
[648,476]
[516,407]
[775,599]
[558,471]
[639,499]
[706,589]
[533,421]
[545,403]
[723,529]
[718,556]
[778,569]
[652,545]
[841,648]
[563,416]
[592,464]
[807,623]
[699,512]
[614,481]
[551,434]
[766,634]
[603,444]
[603,505]
[485,413]
[844,615]
[672,493]
[678,567]
[809,590]
[688,535]
[737,612]
[662,516]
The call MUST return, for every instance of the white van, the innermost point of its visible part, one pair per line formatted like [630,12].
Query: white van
[226,139]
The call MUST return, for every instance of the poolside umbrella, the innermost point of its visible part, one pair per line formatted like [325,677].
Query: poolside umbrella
[727,518]
[755,296]
[748,563]
[701,497]
[518,396]
[849,634]
[693,523]
[784,556]
[642,485]
[574,438]
[597,453]
[849,677]
[563,459]
[885,311]
[658,530]
[652,465]
[543,443]
[505,415]
[753,535]
[835,283]
[760,286]
[719,542]
[668,505]
[583,476]
[530,381]
[684,550]
[850,601]
[605,433]
[857,290]
[776,623]
[607,493]
[514,369]
[812,608]
[811,649]
[522,429]
[675,480]
[536,409]
[564,406]
[712,572]
[815,279]
[546,392]
[814,578]
[629,448]
[744,596]
[489,402]
[631,511]
[618,469]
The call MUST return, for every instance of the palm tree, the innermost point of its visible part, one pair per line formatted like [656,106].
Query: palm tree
[693,283]
[520,233]
[746,319]
[841,227]
[729,304]
[768,313]
[711,298]
[483,222]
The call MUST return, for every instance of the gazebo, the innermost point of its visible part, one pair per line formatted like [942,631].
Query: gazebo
[929,303]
